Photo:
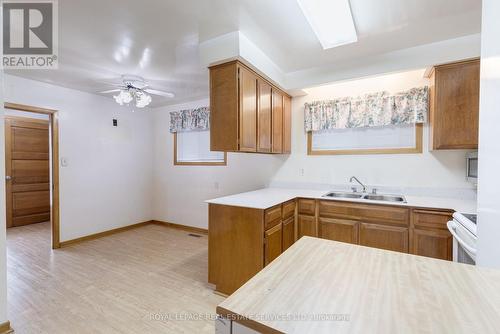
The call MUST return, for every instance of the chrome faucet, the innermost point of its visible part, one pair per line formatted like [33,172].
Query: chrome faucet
[356,179]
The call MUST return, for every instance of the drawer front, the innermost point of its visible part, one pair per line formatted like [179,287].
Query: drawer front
[288,209]
[272,216]
[383,214]
[307,207]
[392,238]
[431,219]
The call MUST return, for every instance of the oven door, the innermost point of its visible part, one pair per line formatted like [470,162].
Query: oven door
[464,243]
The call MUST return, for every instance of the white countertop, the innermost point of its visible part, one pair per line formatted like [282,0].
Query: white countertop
[268,197]
[365,290]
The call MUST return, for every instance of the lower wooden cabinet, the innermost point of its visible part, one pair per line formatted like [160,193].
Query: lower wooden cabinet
[387,237]
[342,230]
[273,243]
[307,226]
[288,232]
[429,235]
[432,243]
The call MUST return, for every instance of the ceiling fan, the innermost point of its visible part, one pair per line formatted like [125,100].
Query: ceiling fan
[134,87]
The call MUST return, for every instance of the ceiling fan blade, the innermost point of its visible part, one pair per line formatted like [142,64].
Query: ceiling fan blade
[159,92]
[110,91]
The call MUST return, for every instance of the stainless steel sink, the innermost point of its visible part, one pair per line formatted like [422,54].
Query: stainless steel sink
[387,198]
[369,197]
[340,194]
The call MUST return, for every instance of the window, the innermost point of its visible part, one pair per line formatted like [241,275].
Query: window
[193,148]
[377,140]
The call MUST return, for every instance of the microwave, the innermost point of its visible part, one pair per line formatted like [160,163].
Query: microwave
[472,167]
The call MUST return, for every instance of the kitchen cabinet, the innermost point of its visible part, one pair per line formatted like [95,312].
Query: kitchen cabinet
[242,241]
[387,237]
[273,244]
[247,112]
[429,235]
[454,105]
[277,122]
[264,116]
[339,230]
[287,124]
[288,233]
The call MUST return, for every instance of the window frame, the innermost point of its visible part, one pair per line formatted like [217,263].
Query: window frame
[419,131]
[196,163]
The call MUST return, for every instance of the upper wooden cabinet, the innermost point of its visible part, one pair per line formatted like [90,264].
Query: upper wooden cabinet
[454,105]
[248,113]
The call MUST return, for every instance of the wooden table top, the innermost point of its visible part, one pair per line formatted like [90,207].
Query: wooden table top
[323,286]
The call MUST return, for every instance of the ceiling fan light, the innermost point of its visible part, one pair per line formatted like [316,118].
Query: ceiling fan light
[142,100]
[124,97]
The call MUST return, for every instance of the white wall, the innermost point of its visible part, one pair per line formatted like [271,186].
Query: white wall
[180,191]
[489,143]
[108,180]
[428,170]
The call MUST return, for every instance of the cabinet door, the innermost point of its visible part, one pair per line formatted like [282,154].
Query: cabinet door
[307,226]
[273,242]
[455,106]
[288,232]
[384,236]
[264,129]
[248,110]
[432,243]
[287,124]
[339,230]
[277,122]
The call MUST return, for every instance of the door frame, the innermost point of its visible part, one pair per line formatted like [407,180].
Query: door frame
[54,126]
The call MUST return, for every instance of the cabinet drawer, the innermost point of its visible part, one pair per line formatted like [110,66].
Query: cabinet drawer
[307,207]
[392,238]
[272,216]
[431,219]
[288,209]
[383,214]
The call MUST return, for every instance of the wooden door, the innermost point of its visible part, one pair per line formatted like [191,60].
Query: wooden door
[287,124]
[307,226]
[288,232]
[248,110]
[432,243]
[27,171]
[264,128]
[342,230]
[273,241]
[277,120]
[384,236]
[455,106]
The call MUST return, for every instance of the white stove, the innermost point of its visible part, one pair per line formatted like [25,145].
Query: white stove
[463,227]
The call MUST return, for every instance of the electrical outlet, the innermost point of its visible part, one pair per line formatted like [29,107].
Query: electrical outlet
[64,162]
[216,185]
[301,171]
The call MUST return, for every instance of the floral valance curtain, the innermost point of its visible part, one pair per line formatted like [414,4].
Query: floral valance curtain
[190,120]
[378,109]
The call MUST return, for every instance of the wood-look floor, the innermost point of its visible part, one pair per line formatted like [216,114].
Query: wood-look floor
[122,283]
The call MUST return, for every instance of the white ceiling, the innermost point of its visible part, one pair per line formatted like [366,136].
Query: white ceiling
[158,39]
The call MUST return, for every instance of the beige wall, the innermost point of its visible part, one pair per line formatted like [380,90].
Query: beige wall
[430,169]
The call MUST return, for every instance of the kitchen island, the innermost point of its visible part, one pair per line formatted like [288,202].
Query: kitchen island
[322,286]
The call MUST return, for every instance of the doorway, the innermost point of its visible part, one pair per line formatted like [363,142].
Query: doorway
[32,167]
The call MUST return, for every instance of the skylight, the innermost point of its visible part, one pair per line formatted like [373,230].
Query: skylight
[331,21]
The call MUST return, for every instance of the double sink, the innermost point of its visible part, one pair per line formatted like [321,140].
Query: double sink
[370,197]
